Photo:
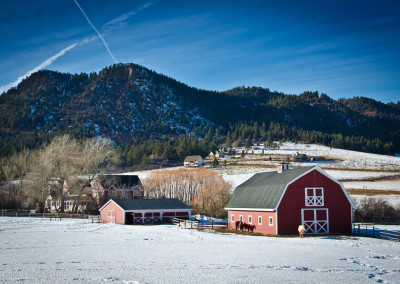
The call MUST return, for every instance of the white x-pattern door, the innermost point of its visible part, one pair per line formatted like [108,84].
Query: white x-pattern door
[315,221]
[111,216]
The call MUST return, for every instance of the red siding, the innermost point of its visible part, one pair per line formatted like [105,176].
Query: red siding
[339,208]
[119,213]
[264,228]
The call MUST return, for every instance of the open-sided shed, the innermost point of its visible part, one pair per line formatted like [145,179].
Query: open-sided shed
[143,211]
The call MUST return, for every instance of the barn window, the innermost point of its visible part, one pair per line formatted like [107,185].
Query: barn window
[259,220]
[271,221]
[241,218]
[314,196]
[250,219]
[232,218]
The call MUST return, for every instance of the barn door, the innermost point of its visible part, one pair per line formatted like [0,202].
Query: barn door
[111,216]
[315,221]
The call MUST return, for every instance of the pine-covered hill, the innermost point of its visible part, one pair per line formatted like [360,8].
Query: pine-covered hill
[126,101]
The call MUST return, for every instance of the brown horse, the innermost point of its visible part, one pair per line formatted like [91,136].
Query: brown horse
[249,227]
[239,225]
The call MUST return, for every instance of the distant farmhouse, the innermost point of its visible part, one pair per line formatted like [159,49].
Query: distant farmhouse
[193,161]
[278,202]
[97,193]
[298,157]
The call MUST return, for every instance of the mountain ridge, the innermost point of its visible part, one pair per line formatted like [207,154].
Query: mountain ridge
[127,101]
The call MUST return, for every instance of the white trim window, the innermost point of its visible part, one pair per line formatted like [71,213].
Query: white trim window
[250,219]
[271,221]
[241,218]
[232,218]
[259,220]
[314,196]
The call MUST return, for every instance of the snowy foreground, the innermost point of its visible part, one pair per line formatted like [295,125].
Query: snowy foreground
[42,251]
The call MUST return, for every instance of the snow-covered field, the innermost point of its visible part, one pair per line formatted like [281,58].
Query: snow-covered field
[344,158]
[42,251]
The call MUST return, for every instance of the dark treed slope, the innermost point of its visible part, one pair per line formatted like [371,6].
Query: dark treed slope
[127,101]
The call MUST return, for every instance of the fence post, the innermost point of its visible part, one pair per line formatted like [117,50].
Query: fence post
[359,232]
[373,220]
[191,225]
[385,233]
[373,231]
[212,224]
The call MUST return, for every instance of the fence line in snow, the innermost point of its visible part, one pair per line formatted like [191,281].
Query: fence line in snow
[194,224]
[51,216]
[378,222]
[371,230]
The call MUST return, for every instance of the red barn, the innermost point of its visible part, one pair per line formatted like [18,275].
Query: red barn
[143,211]
[278,202]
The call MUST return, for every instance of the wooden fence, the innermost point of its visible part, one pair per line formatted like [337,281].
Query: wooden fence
[194,224]
[378,222]
[370,230]
[51,216]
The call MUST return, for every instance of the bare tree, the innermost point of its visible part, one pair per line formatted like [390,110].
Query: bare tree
[58,162]
[201,188]
[14,170]
[96,157]
[77,164]
[40,178]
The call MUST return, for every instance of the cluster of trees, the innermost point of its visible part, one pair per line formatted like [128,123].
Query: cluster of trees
[143,151]
[244,134]
[44,171]
[376,208]
[204,190]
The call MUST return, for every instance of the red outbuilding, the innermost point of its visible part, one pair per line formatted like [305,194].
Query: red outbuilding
[278,202]
[143,211]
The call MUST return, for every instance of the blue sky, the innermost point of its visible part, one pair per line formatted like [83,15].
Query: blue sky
[343,49]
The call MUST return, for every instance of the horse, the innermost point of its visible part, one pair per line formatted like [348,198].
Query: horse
[249,227]
[239,225]
[301,230]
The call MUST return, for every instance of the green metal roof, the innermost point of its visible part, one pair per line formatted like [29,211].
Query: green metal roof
[263,190]
[150,204]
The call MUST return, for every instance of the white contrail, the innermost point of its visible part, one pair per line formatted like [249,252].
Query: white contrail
[45,63]
[108,26]
[98,33]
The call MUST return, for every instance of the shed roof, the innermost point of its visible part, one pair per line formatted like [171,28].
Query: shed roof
[264,190]
[150,204]
[192,158]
